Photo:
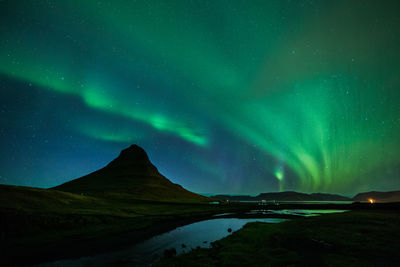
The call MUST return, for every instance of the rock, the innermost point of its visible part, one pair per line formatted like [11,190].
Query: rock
[169,253]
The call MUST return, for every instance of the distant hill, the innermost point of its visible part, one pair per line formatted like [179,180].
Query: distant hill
[234,197]
[286,196]
[330,197]
[392,196]
[130,176]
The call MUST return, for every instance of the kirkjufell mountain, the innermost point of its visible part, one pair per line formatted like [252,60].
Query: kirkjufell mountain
[130,176]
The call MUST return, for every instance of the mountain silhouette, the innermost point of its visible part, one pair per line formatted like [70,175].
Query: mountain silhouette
[130,176]
[392,196]
[285,196]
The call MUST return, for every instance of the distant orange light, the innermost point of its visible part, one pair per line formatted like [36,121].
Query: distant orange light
[371,200]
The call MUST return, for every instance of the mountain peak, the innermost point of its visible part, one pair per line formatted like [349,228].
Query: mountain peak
[132,155]
[134,152]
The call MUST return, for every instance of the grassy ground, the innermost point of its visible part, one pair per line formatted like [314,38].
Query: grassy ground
[356,238]
[37,225]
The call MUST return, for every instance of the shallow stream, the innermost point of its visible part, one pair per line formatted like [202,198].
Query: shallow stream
[182,239]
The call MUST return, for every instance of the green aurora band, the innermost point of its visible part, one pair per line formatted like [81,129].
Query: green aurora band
[313,86]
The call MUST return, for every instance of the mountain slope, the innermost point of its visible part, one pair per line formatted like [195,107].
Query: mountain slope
[393,196]
[130,176]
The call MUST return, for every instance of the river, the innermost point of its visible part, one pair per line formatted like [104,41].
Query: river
[182,239]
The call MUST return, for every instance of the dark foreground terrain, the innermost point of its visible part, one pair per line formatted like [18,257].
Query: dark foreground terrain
[355,238]
[38,225]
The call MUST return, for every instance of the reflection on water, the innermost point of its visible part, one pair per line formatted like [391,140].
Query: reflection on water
[223,214]
[297,202]
[297,212]
[183,239]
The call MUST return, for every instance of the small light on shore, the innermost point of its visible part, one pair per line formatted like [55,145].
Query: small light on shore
[371,200]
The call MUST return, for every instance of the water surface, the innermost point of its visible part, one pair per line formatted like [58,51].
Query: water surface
[183,239]
[297,212]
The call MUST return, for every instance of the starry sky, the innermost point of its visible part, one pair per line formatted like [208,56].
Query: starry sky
[232,96]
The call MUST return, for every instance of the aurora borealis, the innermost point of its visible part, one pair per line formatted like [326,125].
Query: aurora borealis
[225,96]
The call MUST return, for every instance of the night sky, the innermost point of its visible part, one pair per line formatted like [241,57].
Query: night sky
[225,96]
